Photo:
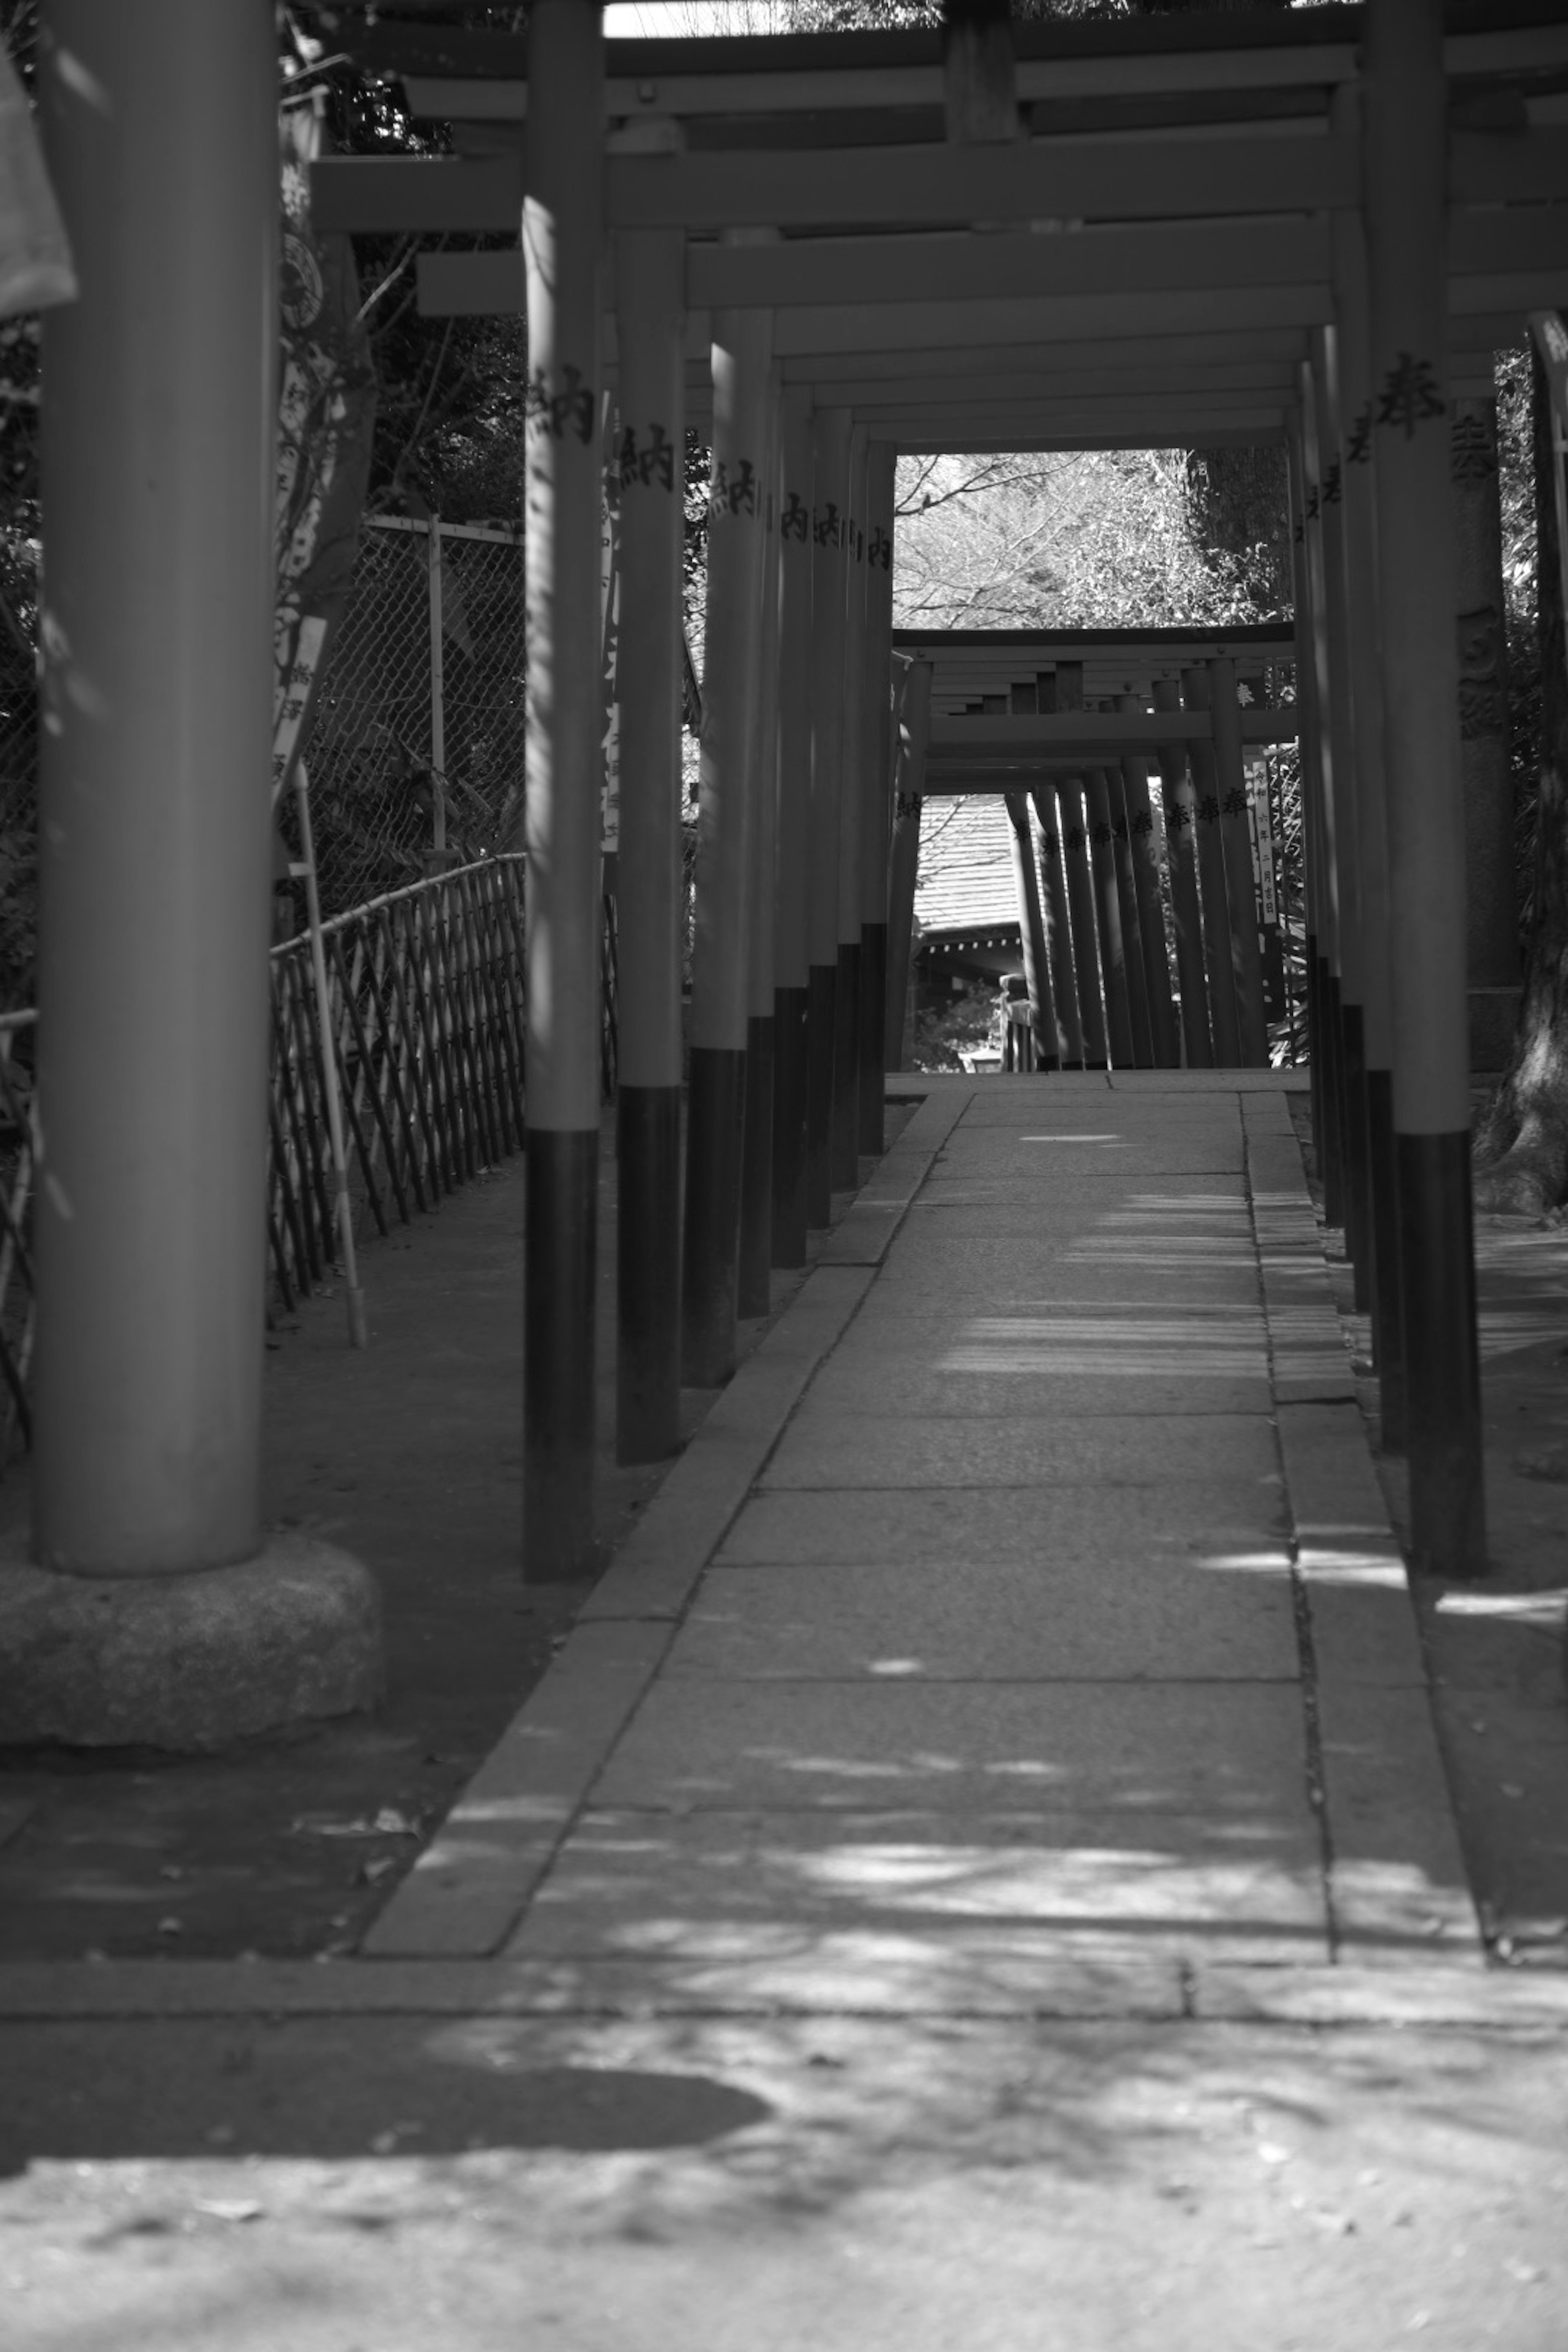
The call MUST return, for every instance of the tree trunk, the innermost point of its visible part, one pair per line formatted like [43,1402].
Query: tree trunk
[1522,1144]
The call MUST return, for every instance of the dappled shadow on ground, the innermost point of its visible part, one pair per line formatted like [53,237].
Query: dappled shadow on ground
[872,2183]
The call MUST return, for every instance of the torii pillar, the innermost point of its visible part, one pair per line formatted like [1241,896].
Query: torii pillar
[153,1612]
[561,243]
[1405,161]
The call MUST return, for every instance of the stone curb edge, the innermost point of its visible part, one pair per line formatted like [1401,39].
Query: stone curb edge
[1383,1788]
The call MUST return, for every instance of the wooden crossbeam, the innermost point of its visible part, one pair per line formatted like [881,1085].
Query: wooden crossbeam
[1488,312]
[1059,444]
[1143,357]
[1109,178]
[1219,387]
[1027,649]
[956,265]
[1066,317]
[1018,740]
[1160,423]
[681,83]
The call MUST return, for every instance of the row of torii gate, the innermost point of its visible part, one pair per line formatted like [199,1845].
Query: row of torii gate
[1309,228]
[1118,830]
[1312,228]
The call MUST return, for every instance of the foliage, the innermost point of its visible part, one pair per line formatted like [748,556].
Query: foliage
[960,1026]
[1094,538]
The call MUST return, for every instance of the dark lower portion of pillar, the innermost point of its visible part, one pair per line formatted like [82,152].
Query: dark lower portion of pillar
[709,1272]
[647,1273]
[559,1264]
[821,1000]
[1442,1384]
[1359,1239]
[1387,1307]
[789,1127]
[846,1148]
[1332,1168]
[753,1294]
[873,1033]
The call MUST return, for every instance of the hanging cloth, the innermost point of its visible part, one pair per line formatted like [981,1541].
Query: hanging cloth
[34,259]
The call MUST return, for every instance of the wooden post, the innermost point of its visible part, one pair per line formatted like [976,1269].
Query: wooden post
[845,1150]
[1235,840]
[1223,1011]
[1032,933]
[1069,690]
[1336,671]
[1108,908]
[1493,937]
[1059,932]
[1182,850]
[437,689]
[1360,553]
[754,1288]
[562,239]
[1138,1009]
[1320,779]
[155,793]
[719,960]
[792,957]
[877,796]
[1151,908]
[1405,161]
[909,780]
[1085,945]
[1308,746]
[831,472]
[1054,903]
[650,300]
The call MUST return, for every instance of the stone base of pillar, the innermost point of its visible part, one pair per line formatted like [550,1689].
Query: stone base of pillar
[1494,1016]
[187,1663]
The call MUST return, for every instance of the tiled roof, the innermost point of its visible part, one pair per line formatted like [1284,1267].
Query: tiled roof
[965,880]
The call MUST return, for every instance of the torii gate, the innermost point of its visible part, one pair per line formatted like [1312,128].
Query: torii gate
[1313,228]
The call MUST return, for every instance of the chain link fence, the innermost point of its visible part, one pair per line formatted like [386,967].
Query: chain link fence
[416,745]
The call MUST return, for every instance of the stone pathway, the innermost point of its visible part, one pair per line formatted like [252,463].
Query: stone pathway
[1029,1603]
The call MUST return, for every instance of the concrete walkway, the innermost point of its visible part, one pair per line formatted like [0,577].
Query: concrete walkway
[979,1878]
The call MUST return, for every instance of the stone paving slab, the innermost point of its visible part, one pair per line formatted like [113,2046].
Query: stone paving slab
[1017,1208]
[1397,1876]
[1081,1338]
[633,1882]
[1185,1083]
[851,1383]
[933,1250]
[1169,1153]
[951,1528]
[821,1449]
[1156,1747]
[1175,1619]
